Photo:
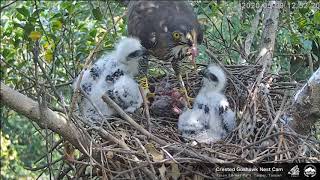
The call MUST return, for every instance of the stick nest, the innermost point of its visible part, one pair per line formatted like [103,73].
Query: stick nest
[262,104]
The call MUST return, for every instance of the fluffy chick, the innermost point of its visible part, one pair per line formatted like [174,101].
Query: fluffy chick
[210,118]
[114,74]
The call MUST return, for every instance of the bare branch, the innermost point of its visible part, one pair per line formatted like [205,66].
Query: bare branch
[270,24]
[306,105]
[7,5]
[54,121]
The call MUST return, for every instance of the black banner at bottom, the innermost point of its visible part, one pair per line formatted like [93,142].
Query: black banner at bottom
[269,171]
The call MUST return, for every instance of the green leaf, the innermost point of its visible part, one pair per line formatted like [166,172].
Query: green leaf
[36,12]
[24,11]
[32,19]
[5,52]
[97,14]
[316,18]
[58,15]
[68,6]
[52,36]
[20,17]
[18,25]
[16,42]
[56,25]
[28,28]
[93,33]
[294,39]
[35,35]
[302,23]
[22,64]
[303,10]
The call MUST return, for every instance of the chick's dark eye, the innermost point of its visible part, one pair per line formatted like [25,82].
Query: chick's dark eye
[212,77]
[135,54]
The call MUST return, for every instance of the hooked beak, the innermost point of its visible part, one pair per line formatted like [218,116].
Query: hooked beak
[203,72]
[193,47]
[194,53]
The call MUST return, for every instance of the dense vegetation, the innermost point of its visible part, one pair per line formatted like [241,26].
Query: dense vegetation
[69,30]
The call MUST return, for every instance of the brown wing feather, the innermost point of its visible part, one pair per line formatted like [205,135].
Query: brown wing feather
[154,21]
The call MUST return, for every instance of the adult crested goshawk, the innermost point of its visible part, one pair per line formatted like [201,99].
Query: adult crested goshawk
[168,29]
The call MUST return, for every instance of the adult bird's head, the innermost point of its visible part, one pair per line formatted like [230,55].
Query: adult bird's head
[214,78]
[169,29]
[132,55]
[184,43]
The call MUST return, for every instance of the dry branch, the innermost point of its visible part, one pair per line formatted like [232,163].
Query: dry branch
[122,146]
[306,105]
[120,111]
[270,24]
[249,39]
[54,121]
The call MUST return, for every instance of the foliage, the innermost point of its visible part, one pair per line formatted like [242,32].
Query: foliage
[19,145]
[66,35]
[68,30]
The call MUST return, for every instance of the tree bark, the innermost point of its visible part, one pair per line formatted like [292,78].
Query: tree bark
[54,121]
[270,24]
[306,105]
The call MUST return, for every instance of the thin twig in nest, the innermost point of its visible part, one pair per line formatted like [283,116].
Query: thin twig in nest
[123,114]
[146,107]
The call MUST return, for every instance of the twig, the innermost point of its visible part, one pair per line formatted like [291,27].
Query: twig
[96,108]
[51,150]
[7,5]
[123,145]
[279,113]
[211,55]
[123,114]
[253,28]
[146,154]
[146,107]
[310,62]
[120,111]
[44,166]
[86,65]
[112,19]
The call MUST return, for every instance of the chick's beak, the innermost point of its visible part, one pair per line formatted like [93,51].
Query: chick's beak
[202,72]
[144,51]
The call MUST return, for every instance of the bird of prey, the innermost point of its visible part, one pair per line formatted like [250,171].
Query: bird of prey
[114,74]
[211,118]
[168,29]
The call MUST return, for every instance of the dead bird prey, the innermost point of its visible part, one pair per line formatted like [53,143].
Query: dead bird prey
[211,118]
[114,74]
[168,101]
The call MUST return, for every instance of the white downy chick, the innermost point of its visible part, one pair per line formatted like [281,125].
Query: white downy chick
[211,115]
[114,74]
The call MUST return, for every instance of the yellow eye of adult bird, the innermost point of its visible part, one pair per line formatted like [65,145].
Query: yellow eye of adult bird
[176,36]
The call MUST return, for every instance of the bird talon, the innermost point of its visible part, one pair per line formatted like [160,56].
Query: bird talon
[190,99]
[185,93]
[143,82]
[150,95]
